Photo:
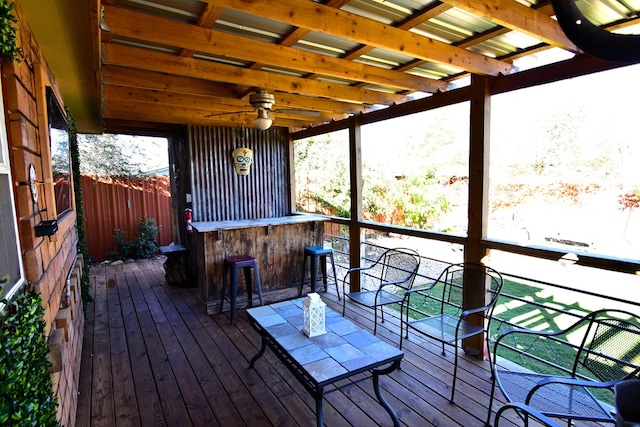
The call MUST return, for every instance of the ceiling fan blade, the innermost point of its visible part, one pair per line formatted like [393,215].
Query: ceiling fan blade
[299,112]
[228,113]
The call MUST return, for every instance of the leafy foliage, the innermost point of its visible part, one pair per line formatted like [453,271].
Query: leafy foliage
[125,249]
[147,238]
[26,392]
[630,200]
[323,175]
[8,32]
[145,244]
[106,155]
[415,200]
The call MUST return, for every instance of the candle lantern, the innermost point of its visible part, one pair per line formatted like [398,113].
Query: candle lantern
[313,309]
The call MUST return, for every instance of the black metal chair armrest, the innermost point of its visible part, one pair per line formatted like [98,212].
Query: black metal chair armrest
[568,381]
[526,331]
[406,301]
[397,267]
[528,411]
[522,331]
[348,273]
[515,331]
[473,311]
[351,270]
[392,283]
[420,289]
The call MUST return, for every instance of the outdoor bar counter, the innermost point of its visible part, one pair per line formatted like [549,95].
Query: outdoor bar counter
[276,243]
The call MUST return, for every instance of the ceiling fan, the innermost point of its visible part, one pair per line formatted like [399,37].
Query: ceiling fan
[263,102]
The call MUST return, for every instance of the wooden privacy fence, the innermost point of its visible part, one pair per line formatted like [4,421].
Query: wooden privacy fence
[120,203]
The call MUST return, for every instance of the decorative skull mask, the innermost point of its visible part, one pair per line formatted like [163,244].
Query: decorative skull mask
[242,159]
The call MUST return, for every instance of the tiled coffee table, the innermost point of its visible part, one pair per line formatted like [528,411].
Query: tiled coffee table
[345,350]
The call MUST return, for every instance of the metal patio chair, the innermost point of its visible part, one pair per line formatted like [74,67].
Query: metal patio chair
[569,374]
[525,413]
[437,311]
[391,275]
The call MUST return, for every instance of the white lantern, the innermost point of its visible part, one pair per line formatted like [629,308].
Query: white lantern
[313,309]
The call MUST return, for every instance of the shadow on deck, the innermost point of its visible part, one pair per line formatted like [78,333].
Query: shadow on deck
[152,357]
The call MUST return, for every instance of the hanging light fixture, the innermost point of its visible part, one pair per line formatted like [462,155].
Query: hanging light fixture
[264,120]
[262,101]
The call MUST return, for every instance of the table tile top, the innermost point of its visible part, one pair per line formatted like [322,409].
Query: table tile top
[343,349]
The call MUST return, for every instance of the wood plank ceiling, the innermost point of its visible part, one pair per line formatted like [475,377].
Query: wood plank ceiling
[197,62]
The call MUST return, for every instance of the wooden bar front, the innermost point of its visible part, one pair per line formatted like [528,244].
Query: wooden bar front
[276,243]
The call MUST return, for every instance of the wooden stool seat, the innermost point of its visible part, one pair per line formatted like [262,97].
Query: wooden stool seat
[232,265]
[318,254]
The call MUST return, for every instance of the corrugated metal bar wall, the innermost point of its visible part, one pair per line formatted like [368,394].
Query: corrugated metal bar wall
[219,194]
[120,204]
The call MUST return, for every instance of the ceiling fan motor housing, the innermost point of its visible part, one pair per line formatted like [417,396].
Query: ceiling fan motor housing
[262,99]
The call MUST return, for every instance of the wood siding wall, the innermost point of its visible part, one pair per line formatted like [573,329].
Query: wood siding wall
[49,260]
[219,194]
[111,204]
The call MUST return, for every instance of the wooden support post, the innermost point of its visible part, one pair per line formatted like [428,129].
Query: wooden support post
[355,231]
[474,293]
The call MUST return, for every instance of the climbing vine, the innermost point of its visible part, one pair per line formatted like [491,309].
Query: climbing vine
[8,31]
[77,188]
[26,391]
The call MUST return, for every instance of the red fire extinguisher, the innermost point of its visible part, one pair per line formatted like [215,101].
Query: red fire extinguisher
[188,217]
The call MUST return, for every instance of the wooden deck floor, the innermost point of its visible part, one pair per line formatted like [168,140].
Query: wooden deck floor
[152,357]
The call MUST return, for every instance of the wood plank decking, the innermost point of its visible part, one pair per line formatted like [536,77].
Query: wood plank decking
[152,357]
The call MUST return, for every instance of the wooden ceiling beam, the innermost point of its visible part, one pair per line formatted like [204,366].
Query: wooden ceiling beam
[113,75]
[412,21]
[207,18]
[292,101]
[518,17]
[140,128]
[211,104]
[296,34]
[145,59]
[133,25]
[428,12]
[172,114]
[478,38]
[338,23]
[126,77]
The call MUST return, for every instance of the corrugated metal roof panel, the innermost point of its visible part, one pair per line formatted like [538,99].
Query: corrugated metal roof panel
[387,12]
[510,42]
[478,32]
[331,43]
[183,10]
[246,25]
[450,26]
[603,12]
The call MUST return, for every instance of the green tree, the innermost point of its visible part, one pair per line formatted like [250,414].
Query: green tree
[106,155]
[322,174]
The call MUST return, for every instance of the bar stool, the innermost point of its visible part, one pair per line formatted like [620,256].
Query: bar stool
[318,253]
[233,264]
